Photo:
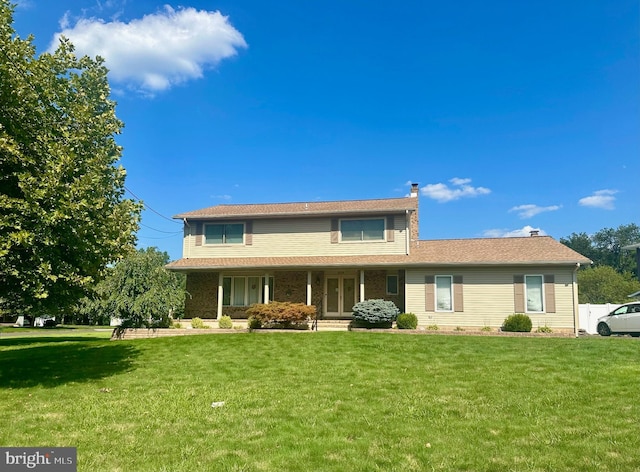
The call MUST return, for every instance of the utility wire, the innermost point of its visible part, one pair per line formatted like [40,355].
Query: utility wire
[159,230]
[149,208]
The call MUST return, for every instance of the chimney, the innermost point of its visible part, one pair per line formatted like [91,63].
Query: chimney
[414,190]
[534,232]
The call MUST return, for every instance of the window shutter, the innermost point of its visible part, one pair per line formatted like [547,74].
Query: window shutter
[550,293]
[458,301]
[334,230]
[518,293]
[429,293]
[390,226]
[199,233]
[248,233]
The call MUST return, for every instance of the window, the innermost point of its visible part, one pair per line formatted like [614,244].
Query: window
[244,291]
[362,230]
[231,233]
[444,294]
[392,285]
[534,293]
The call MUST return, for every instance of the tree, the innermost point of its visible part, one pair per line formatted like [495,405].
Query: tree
[605,247]
[604,284]
[138,290]
[63,215]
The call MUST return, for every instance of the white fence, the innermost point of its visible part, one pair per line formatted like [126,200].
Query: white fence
[589,314]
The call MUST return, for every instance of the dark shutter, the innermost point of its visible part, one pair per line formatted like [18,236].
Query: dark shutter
[518,293]
[248,233]
[550,293]
[390,226]
[429,293]
[458,300]
[334,230]
[199,233]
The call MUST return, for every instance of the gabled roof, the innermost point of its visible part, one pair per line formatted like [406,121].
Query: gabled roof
[537,250]
[343,207]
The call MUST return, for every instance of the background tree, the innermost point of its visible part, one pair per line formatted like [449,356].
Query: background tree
[139,291]
[604,284]
[604,247]
[63,215]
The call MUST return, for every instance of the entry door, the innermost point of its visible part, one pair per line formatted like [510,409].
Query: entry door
[341,295]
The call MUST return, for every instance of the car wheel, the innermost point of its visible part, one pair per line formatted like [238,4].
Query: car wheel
[603,329]
[635,335]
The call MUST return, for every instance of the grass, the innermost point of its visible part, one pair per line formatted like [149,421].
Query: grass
[331,401]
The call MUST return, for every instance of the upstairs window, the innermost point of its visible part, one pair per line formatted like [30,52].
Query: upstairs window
[362,230]
[229,233]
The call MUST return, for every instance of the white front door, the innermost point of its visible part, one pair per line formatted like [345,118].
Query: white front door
[340,295]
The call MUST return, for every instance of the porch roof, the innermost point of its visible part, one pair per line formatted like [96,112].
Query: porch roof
[538,250]
[344,207]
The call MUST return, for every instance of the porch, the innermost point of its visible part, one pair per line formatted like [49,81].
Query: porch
[332,292]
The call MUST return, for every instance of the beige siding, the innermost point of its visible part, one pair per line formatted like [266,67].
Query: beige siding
[302,237]
[489,297]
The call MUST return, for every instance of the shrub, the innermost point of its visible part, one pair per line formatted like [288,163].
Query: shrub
[197,323]
[375,313]
[175,325]
[225,322]
[486,328]
[253,323]
[517,323]
[433,328]
[285,315]
[458,328]
[544,329]
[407,321]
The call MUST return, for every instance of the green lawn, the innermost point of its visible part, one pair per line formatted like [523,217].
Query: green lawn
[328,401]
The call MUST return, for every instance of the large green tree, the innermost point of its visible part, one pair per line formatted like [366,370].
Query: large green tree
[138,290]
[604,248]
[604,284]
[63,215]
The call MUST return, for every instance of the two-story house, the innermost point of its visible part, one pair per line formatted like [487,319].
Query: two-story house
[336,253]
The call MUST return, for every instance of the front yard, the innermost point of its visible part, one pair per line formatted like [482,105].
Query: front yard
[330,401]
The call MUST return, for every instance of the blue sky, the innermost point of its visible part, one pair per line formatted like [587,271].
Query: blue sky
[510,115]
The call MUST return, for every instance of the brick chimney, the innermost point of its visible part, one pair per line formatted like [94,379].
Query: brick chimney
[414,190]
[414,234]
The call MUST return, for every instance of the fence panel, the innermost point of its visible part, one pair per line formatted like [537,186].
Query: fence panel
[589,314]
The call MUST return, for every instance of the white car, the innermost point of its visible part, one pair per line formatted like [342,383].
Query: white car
[622,320]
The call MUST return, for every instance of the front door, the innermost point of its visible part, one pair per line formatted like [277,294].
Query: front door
[341,296]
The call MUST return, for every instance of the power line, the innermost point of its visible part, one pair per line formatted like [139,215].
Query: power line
[159,230]
[149,208]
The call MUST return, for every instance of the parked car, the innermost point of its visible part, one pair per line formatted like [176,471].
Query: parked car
[45,321]
[623,320]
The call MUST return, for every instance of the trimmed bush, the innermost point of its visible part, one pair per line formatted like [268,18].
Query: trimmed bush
[544,329]
[197,323]
[285,315]
[407,321]
[225,322]
[517,323]
[374,313]
[253,323]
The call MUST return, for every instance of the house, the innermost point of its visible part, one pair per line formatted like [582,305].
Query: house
[333,254]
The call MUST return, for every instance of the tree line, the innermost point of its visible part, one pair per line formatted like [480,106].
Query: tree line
[614,273]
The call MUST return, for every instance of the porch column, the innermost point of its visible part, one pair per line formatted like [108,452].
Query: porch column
[362,285]
[220,295]
[267,295]
[309,287]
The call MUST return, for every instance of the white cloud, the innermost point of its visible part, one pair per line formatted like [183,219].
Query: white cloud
[460,188]
[221,197]
[158,51]
[528,211]
[505,233]
[600,199]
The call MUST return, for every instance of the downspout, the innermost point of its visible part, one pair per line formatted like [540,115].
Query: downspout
[576,307]
[188,242]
